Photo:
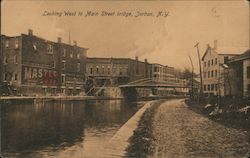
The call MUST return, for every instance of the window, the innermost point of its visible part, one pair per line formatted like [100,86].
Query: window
[208,87]
[205,87]
[50,49]
[91,70]
[63,78]
[205,64]
[7,44]
[78,67]
[16,43]
[212,73]
[212,62]
[34,47]
[212,87]
[205,74]
[5,77]
[97,69]
[248,72]
[208,74]
[215,73]
[64,52]
[108,69]
[71,54]
[78,55]
[103,70]
[216,87]
[15,59]
[54,64]
[5,60]
[15,77]
[215,61]
[208,63]
[226,59]
[63,64]
[248,88]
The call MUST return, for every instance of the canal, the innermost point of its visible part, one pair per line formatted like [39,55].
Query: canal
[62,129]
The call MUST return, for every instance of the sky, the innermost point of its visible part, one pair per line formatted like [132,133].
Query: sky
[165,40]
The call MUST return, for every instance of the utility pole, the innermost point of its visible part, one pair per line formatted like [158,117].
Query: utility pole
[201,88]
[192,92]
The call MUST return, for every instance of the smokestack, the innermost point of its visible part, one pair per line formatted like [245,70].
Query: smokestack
[136,58]
[30,32]
[146,60]
[59,40]
[215,44]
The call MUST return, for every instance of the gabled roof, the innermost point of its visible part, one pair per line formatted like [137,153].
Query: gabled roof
[222,54]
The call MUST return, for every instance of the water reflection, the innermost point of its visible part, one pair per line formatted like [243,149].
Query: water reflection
[61,129]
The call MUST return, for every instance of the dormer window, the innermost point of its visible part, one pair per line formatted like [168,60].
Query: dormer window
[50,49]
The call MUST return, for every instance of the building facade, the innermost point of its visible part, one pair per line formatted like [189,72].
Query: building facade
[116,71]
[239,70]
[33,65]
[215,72]
[162,73]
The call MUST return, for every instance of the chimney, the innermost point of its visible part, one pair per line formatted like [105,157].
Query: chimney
[136,58]
[59,40]
[146,60]
[75,43]
[30,32]
[215,44]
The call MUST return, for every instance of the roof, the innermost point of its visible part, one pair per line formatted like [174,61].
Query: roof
[222,54]
[243,56]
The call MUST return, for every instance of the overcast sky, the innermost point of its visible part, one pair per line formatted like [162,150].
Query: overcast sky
[167,41]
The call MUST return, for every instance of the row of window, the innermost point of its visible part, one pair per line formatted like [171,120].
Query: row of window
[211,74]
[102,70]
[211,87]
[211,62]
[7,43]
[5,60]
[78,66]
[14,77]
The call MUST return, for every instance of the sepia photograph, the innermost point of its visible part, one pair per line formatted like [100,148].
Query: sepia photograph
[125,79]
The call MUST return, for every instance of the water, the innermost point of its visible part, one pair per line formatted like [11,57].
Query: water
[61,129]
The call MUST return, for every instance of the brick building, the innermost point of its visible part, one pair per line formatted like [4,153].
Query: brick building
[116,71]
[33,65]
[215,72]
[162,73]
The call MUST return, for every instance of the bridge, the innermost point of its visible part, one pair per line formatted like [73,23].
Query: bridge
[151,83]
[148,87]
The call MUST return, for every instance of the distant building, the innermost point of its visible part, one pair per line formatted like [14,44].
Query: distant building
[116,71]
[240,74]
[162,73]
[215,71]
[34,65]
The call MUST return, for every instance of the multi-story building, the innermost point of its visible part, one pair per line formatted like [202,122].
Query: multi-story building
[116,71]
[34,65]
[162,73]
[215,71]
[239,73]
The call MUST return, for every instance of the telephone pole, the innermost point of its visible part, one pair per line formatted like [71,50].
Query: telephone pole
[198,52]
[192,91]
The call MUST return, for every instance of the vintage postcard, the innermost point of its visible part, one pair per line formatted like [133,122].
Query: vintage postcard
[135,79]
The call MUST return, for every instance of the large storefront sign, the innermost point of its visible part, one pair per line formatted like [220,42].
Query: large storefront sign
[40,76]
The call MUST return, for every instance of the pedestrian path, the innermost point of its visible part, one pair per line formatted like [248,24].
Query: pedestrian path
[181,133]
[120,141]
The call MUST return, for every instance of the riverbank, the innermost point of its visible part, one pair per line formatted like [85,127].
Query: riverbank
[141,143]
